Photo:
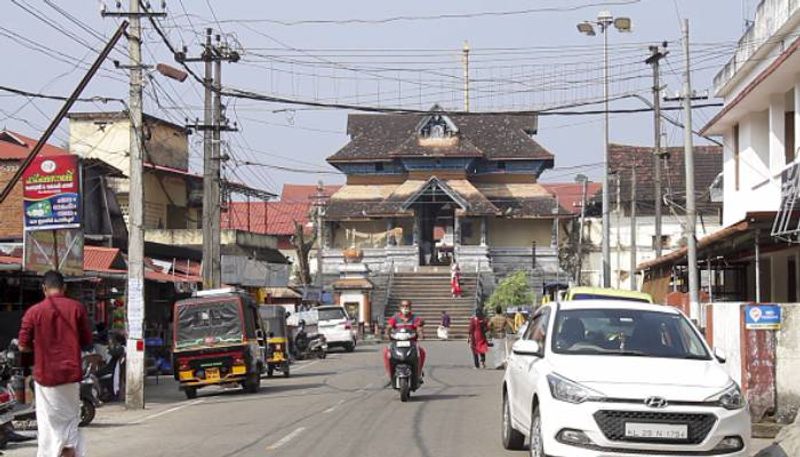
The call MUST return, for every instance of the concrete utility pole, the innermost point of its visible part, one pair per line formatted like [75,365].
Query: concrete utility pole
[694,296]
[584,182]
[213,124]
[633,226]
[656,54]
[319,209]
[466,75]
[618,178]
[134,365]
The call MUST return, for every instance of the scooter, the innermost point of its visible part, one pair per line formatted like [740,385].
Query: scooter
[307,346]
[403,362]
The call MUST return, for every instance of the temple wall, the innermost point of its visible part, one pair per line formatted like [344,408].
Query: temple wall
[519,232]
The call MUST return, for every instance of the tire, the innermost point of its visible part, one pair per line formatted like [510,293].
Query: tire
[405,390]
[350,347]
[270,371]
[323,354]
[253,383]
[88,412]
[537,444]
[513,439]
[191,393]
[285,369]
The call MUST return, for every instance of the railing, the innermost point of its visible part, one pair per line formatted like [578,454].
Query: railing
[770,16]
[389,281]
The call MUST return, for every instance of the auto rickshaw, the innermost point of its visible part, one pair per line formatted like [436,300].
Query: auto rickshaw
[553,291]
[219,338]
[274,317]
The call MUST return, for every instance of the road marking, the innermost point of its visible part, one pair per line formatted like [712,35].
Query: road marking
[167,411]
[285,439]
[306,365]
[333,408]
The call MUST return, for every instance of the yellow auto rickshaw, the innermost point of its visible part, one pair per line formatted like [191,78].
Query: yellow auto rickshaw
[274,318]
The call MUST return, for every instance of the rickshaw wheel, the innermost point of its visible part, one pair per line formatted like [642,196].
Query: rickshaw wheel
[191,393]
[270,371]
[253,383]
[285,369]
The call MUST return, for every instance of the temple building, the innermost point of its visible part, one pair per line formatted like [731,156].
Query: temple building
[427,190]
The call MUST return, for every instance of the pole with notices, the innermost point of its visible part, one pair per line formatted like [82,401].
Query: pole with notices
[691,212]
[633,226]
[656,54]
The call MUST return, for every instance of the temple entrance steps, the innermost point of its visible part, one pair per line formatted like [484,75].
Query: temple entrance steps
[430,292]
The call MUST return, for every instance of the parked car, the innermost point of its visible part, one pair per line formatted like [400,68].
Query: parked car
[337,328]
[617,378]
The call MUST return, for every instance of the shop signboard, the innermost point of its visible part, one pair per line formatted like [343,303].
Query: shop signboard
[51,193]
[762,317]
[60,250]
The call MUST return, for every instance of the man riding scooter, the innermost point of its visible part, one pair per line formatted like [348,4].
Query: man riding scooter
[405,320]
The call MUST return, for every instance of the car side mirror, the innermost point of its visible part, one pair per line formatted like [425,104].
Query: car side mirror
[527,348]
[719,354]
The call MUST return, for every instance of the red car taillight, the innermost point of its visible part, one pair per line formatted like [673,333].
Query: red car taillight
[238,359]
[183,364]
[348,326]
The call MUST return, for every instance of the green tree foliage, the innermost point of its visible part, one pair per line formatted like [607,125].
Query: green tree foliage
[514,290]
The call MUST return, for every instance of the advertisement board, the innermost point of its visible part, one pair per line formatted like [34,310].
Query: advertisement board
[762,317]
[60,250]
[51,193]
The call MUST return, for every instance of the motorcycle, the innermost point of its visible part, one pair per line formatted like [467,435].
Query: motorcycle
[307,346]
[402,362]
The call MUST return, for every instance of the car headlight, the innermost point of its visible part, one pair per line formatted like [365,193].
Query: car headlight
[730,398]
[570,391]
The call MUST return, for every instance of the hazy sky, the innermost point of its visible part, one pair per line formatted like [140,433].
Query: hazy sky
[399,54]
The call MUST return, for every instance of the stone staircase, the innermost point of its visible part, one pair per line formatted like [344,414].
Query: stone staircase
[429,290]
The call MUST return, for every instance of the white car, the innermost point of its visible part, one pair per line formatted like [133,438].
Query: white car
[335,325]
[615,378]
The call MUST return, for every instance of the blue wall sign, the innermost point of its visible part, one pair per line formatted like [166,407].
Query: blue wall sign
[762,317]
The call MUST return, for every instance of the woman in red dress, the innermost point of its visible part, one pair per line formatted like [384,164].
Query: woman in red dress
[455,280]
[477,338]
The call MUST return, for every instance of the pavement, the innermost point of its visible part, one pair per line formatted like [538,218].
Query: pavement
[334,407]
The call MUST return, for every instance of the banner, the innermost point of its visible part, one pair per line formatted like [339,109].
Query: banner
[60,250]
[51,193]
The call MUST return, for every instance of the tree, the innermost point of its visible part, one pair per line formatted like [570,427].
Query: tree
[514,290]
[303,247]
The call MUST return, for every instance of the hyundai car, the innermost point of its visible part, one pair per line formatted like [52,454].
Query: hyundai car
[606,378]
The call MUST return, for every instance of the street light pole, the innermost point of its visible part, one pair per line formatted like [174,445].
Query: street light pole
[623,24]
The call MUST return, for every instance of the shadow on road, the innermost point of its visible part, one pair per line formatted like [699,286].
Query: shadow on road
[440,397]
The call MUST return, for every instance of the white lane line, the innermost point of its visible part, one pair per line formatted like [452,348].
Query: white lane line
[306,365]
[167,411]
[285,439]
[333,408]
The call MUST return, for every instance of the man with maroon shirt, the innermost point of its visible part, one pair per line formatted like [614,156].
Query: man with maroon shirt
[55,329]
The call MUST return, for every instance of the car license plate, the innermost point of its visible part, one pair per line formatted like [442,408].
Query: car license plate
[404,344]
[657,431]
[212,374]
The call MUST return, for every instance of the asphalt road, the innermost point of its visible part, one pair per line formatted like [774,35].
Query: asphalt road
[335,407]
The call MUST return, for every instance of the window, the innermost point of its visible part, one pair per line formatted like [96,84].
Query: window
[788,136]
[379,167]
[537,331]
[501,165]
[736,156]
[627,332]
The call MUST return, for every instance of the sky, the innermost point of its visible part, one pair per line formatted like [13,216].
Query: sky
[524,55]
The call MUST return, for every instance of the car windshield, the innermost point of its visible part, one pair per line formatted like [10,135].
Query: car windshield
[626,332]
[585,296]
[327,314]
[208,323]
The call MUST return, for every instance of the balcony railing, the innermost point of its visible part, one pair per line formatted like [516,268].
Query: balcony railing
[770,16]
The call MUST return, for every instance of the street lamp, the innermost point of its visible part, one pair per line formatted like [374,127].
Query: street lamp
[623,24]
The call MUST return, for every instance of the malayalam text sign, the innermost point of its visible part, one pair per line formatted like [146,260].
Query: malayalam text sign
[762,317]
[51,193]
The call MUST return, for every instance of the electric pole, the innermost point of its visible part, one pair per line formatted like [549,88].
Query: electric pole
[213,124]
[134,367]
[466,76]
[319,209]
[694,299]
[656,54]
[633,225]
[584,182]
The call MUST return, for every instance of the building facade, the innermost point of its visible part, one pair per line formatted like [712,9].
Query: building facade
[428,190]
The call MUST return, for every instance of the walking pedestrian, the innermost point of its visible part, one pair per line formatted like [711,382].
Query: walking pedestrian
[444,326]
[519,319]
[499,327]
[455,280]
[55,329]
[477,338]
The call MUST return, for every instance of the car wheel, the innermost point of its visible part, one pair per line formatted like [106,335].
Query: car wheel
[285,369]
[512,438]
[350,347]
[253,383]
[191,393]
[537,444]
